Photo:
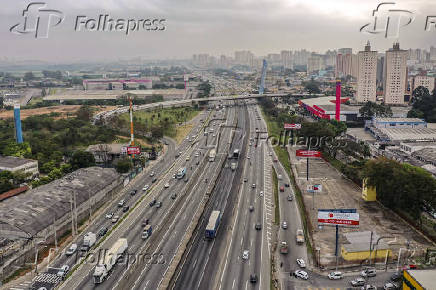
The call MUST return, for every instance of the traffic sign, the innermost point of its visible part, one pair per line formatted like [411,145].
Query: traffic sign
[292,126]
[308,153]
[334,218]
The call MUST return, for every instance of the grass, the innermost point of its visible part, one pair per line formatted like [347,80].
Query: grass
[182,132]
[18,273]
[276,197]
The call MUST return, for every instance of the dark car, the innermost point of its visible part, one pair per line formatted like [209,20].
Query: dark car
[396,276]
[186,179]
[258,226]
[102,232]
[174,196]
[152,203]
[126,208]
[145,222]
[253,278]
[133,192]
[154,180]
[286,184]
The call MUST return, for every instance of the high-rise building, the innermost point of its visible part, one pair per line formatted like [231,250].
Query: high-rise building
[301,56]
[330,58]
[432,53]
[314,64]
[395,75]
[244,57]
[286,58]
[424,81]
[367,75]
[346,63]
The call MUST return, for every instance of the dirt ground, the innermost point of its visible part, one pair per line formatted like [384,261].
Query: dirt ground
[65,111]
[339,192]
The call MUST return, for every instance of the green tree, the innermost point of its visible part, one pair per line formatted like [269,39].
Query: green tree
[124,165]
[1,102]
[82,159]
[84,113]
[22,150]
[371,109]
[424,104]
[312,87]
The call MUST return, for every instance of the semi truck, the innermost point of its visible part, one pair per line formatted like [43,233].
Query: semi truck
[212,155]
[108,260]
[147,232]
[300,236]
[213,224]
[88,241]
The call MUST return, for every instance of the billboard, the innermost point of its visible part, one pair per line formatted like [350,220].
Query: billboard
[338,217]
[308,153]
[133,150]
[292,126]
[315,188]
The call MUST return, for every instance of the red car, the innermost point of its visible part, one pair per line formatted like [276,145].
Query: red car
[282,189]
[275,160]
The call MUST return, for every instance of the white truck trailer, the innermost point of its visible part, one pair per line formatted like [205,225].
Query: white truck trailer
[88,241]
[108,260]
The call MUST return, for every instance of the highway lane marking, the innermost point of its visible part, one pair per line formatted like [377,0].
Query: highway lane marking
[195,263]
[233,285]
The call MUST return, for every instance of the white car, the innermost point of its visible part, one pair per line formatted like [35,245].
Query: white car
[146,187]
[63,271]
[261,193]
[197,154]
[115,219]
[71,250]
[270,154]
[248,157]
[301,263]
[167,185]
[245,255]
[109,215]
[335,275]
[152,174]
[284,225]
[301,274]
[253,185]
[279,177]
[188,158]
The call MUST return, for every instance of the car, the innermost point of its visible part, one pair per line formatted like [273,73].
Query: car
[121,203]
[261,193]
[63,271]
[250,144]
[335,275]
[167,185]
[154,180]
[126,208]
[279,177]
[251,208]
[245,179]
[102,232]
[115,219]
[390,286]
[174,196]
[213,135]
[301,274]
[71,250]
[253,185]
[245,255]
[396,276]
[301,263]
[133,192]
[198,162]
[282,189]
[284,225]
[368,287]
[270,154]
[286,184]
[109,215]
[258,226]
[145,222]
[146,187]
[152,174]
[290,198]
[369,272]
[158,204]
[253,278]
[248,156]
[357,282]
[174,176]
[275,160]
[196,154]
[152,203]
[188,158]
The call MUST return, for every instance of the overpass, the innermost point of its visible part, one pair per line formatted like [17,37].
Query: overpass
[191,102]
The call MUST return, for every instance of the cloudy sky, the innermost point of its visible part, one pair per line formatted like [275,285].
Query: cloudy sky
[209,26]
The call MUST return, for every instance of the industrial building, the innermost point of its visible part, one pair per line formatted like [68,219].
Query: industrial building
[419,279]
[117,84]
[104,153]
[325,108]
[14,164]
[358,248]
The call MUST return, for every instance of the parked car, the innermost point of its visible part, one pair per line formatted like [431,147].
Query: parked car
[370,272]
[152,203]
[109,215]
[158,204]
[301,274]
[146,187]
[154,180]
[396,276]
[245,255]
[121,203]
[145,222]
[71,250]
[133,192]
[369,287]
[126,208]
[357,282]
[174,196]
[102,232]
[301,263]
[167,185]
[335,275]
[391,286]
[152,174]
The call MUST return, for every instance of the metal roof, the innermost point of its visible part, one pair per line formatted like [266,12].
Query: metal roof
[13,162]
[426,278]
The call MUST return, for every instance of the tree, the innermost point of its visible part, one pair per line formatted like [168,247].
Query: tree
[124,165]
[28,76]
[1,102]
[424,105]
[371,109]
[82,159]
[312,87]
[84,113]
[22,150]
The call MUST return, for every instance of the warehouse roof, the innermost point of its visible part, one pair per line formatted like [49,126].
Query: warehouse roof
[399,120]
[424,277]
[13,162]
[36,209]
[398,134]
[360,241]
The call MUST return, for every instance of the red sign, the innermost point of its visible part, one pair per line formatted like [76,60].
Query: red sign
[292,126]
[308,153]
[338,218]
[133,150]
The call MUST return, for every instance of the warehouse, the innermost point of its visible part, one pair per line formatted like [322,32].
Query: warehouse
[325,108]
[117,84]
[14,164]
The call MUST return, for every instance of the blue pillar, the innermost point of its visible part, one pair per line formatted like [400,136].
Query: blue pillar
[17,118]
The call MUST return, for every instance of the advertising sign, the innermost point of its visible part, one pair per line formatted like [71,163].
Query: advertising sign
[308,153]
[315,188]
[133,150]
[292,126]
[335,217]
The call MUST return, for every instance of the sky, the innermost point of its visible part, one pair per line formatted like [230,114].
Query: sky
[206,26]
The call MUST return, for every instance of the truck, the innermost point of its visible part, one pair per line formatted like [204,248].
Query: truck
[213,224]
[300,236]
[283,248]
[107,261]
[212,155]
[233,166]
[147,232]
[88,241]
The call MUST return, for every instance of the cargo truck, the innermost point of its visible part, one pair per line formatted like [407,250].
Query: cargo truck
[213,224]
[300,236]
[212,155]
[88,241]
[108,260]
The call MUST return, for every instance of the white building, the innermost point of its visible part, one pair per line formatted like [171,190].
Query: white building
[286,56]
[314,64]
[395,75]
[14,164]
[367,75]
[425,81]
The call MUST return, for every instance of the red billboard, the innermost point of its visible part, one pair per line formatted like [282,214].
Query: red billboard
[329,218]
[292,126]
[308,153]
[133,150]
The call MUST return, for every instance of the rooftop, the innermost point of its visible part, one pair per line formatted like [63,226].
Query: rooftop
[424,277]
[12,162]
[399,134]
[360,241]
[399,120]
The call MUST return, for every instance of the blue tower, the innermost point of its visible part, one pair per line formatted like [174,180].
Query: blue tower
[17,118]
[262,78]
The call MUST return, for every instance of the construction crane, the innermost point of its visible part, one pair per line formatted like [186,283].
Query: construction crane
[262,78]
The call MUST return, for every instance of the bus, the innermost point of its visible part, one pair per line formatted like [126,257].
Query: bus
[213,224]
[181,173]
[236,154]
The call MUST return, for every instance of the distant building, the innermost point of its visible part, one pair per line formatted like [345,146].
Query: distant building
[314,64]
[14,164]
[397,123]
[244,57]
[286,57]
[424,81]
[106,153]
[395,75]
[117,84]
[346,63]
[367,75]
